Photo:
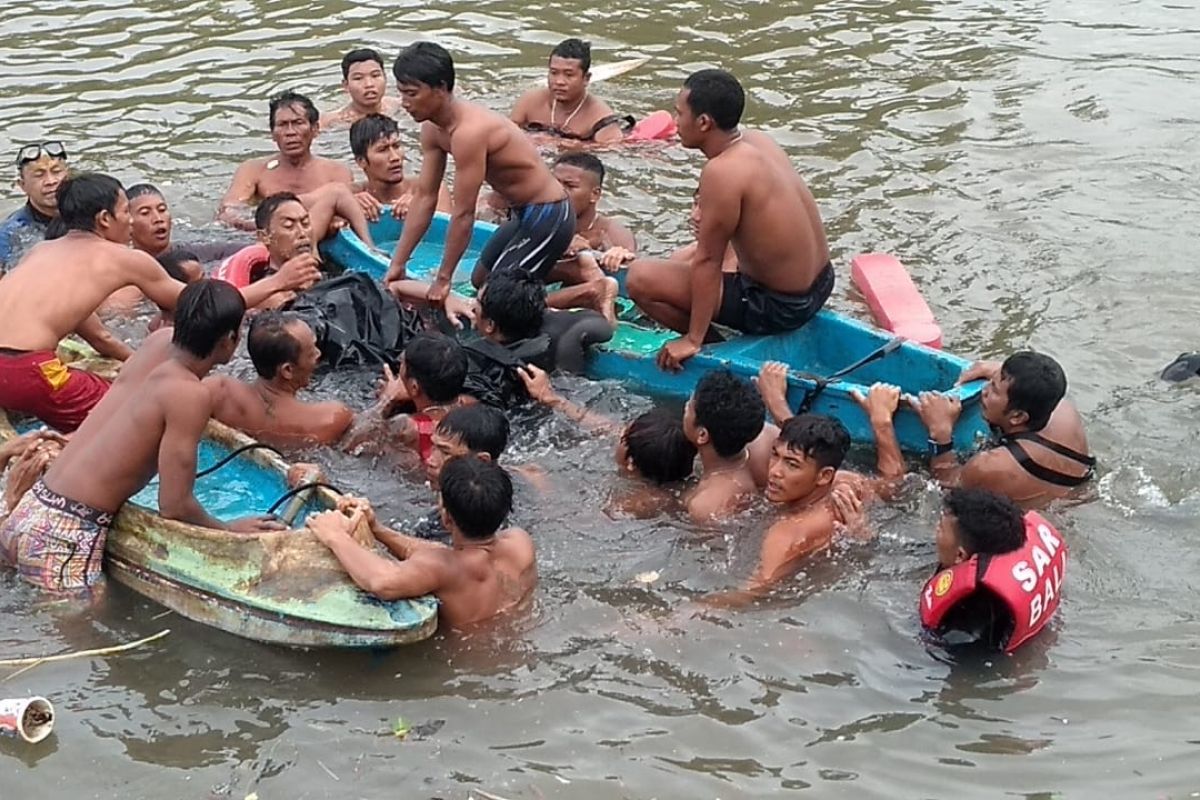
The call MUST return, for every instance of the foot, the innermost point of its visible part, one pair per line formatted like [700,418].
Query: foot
[606,299]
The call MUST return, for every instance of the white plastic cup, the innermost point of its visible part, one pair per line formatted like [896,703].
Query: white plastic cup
[31,718]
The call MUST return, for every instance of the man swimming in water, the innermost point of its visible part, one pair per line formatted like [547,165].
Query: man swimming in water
[41,169]
[148,424]
[750,198]
[484,145]
[375,142]
[153,227]
[60,284]
[484,572]
[722,417]
[365,81]
[565,108]
[294,126]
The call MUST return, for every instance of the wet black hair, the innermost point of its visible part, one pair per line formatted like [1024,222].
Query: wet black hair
[438,364]
[717,93]
[141,189]
[357,57]
[516,302]
[287,100]
[173,260]
[369,130]
[83,196]
[207,311]
[476,494]
[267,208]
[55,229]
[584,161]
[576,49]
[482,428]
[730,409]
[1036,385]
[658,447]
[822,438]
[988,523]
[425,62]
[270,344]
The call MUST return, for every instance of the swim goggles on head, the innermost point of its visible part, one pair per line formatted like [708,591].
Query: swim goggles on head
[34,151]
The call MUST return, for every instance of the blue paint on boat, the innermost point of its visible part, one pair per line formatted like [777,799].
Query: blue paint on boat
[826,345]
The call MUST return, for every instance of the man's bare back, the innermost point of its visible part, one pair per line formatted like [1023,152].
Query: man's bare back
[276,418]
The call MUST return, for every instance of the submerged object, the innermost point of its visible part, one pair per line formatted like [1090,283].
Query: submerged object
[893,298]
[1186,366]
[280,587]
[31,718]
[830,357]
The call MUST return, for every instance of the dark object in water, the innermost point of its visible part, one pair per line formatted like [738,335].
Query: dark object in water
[356,322]
[1182,368]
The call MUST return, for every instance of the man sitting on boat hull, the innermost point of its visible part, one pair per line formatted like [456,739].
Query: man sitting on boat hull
[752,198]
[150,422]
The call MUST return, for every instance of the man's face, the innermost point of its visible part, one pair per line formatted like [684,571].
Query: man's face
[566,79]
[691,127]
[792,476]
[580,185]
[292,132]
[994,399]
[385,160]
[310,355]
[444,449]
[365,83]
[420,100]
[117,226]
[949,551]
[151,223]
[39,180]
[289,234]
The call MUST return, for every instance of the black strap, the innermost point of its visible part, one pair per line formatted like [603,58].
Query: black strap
[627,122]
[1046,474]
[1035,437]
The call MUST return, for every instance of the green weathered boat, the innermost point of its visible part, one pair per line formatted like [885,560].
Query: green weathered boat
[278,587]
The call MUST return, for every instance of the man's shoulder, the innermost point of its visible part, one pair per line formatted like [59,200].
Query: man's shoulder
[598,107]
[800,525]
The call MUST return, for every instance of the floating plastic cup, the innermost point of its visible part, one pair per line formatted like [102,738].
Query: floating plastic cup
[31,718]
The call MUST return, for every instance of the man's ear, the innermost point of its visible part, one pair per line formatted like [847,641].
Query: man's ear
[825,476]
[264,238]
[484,456]
[961,555]
[702,437]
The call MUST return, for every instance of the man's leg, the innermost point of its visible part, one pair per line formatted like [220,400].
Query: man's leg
[598,295]
[662,289]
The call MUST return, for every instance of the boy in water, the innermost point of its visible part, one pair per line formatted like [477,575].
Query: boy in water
[722,418]
[483,573]
[365,82]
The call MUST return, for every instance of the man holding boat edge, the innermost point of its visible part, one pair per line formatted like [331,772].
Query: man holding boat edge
[751,197]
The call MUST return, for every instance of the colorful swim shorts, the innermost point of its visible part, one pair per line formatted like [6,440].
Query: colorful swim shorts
[54,542]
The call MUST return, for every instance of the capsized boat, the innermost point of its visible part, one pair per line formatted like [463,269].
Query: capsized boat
[830,357]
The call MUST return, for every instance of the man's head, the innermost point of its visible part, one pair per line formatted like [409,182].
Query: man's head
[425,79]
[511,307]
[41,169]
[806,457]
[570,70]
[375,142]
[208,317]
[95,203]
[479,430]
[711,102]
[363,77]
[725,412]
[1024,393]
[475,497]
[654,446]
[582,175]
[295,122]
[283,348]
[182,265]
[151,218]
[434,366]
[977,521]
[283,226]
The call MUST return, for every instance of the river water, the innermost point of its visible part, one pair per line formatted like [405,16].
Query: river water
[1029,160]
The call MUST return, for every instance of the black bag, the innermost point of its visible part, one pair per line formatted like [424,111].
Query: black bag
[492,369]
[356,322]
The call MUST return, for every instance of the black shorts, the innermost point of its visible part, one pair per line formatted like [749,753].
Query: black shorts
[534,239]
[750,308]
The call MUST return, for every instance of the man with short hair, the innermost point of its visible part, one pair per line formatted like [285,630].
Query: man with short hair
[512,308]
[294,125]
[483,573]
[484,146]
[565,108]
[365,81]
[722,417]
[153,227]
[58,287]
[752,198]
[477,430]
[148,424]
[375,142]
[41,169]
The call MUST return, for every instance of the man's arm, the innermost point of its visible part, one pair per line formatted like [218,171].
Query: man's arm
[538,386]
[520,111]
[235,206]
[424,201]
[186,415]
[97,334]
[382,577]
[787,543]
[469,148]
[148,275]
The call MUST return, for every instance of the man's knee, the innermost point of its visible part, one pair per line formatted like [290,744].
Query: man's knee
[639,283]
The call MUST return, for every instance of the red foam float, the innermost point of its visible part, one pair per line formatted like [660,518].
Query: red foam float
[656,127]
[893,298]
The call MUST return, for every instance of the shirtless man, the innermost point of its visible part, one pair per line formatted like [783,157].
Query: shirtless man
[294,168]
[484,146]
[149,423]
[1042,453]
[60,284]
[722,417]
[375,142]
[484,572]
[364,80]
[752,198]
[681,259]
[565,108]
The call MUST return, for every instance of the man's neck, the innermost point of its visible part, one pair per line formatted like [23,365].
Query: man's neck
[193,364]
[719,142]
[587,220]
[447,116]
[714,463]
[276,387]
[39,214]
[386,191]
[297,162]
[365,111]
[816,496]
